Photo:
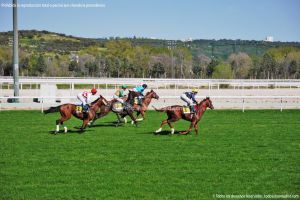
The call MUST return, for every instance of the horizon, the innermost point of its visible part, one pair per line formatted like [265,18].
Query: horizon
[165,20]
[117,37]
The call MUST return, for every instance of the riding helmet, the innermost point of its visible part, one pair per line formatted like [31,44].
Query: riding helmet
[94,91]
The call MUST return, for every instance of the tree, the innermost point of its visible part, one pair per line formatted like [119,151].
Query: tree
[211,67]
[40,65]
[157,70]
[241,64]
[222,71]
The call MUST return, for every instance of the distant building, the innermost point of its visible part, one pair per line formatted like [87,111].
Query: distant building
[269,39]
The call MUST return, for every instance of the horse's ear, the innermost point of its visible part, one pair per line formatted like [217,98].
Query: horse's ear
[151,90]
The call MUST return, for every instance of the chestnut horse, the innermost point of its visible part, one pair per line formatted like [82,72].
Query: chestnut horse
[176,113]
[67,110]
[141,109]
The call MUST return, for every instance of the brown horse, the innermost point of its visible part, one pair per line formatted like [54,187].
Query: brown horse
[105,109]
[67,110]
[141,109]
[176,112]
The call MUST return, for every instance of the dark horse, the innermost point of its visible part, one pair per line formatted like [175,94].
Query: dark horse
[141,109]
[176,112]
[67,110]
[128,110]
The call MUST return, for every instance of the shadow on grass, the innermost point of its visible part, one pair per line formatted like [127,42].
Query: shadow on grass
[61,132]
[165,132]
[106,124]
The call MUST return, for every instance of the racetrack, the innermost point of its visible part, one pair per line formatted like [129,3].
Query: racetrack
[256,152]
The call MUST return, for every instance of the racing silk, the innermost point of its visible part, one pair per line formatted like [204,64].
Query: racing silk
[191,96]
[86,96]
[120,93]
[139,89]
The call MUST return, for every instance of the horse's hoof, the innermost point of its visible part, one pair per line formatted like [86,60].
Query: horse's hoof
[140,119]
[172,131]
[158,130]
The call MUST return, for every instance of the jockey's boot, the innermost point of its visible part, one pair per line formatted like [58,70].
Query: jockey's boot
[86,108]
[192,108]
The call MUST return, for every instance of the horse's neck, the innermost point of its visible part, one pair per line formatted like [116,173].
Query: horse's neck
[147,101]
[202,108]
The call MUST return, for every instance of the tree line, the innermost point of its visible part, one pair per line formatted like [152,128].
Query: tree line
[41,56]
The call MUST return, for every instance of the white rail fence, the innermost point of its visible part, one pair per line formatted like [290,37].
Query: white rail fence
[155,83]
[219,102]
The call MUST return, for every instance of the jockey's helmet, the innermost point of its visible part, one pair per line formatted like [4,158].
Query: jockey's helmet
[144,85]
[195,90]
[94,91]
[124,86]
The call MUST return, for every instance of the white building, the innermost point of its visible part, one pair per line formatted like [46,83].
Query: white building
[269,39]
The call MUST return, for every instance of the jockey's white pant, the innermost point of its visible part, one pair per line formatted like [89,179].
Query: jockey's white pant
[184,98]
[118,99]
[82,99]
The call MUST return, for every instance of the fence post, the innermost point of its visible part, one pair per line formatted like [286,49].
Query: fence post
[243,105]
[281,104]
[42,109]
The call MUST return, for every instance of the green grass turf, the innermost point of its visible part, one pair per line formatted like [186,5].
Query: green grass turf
[256,152]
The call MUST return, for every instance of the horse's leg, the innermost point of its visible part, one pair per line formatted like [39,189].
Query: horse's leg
[196,128]
[64,117]
[84,124]
[98,115]
[161,125]
[130,113]
[170,125]
[57,126]
[190,128]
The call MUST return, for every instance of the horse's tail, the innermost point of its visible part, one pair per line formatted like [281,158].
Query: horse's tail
[161,109]
[52,110]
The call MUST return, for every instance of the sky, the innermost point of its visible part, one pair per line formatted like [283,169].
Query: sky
[164,19]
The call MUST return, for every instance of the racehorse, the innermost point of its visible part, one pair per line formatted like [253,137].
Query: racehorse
[128,110]
[176,113]
[67,110]
[141,109]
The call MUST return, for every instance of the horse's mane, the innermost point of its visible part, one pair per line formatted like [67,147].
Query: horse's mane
[201,102]
[95,101]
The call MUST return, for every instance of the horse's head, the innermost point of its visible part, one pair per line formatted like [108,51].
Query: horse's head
[104,101]
[207,103]
[152,94]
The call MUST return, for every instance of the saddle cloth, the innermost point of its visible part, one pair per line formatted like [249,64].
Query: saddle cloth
[78,108]
[117,107]
[136,100]
[187,110]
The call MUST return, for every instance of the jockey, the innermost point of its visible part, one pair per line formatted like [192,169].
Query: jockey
[190,98]
[85,98]
[140,89]
[120,93]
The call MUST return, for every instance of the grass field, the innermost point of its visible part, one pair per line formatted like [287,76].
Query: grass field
[256,152]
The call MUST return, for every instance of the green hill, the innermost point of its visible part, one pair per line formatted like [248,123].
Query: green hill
[55,54]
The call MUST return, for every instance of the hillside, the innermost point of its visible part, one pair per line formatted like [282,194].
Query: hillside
[55,54]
